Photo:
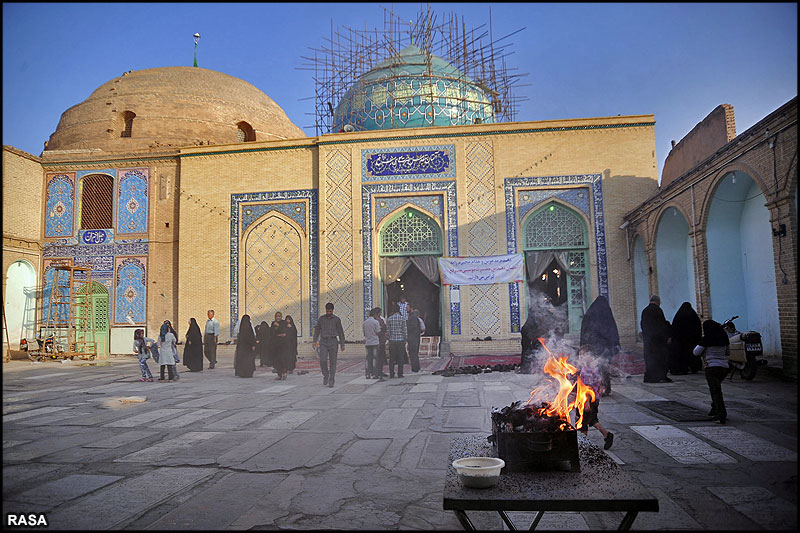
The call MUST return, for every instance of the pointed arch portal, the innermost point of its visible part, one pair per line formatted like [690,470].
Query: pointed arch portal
[410,242]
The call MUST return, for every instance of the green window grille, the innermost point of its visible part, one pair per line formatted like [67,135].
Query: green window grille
[554,227]
[411,233]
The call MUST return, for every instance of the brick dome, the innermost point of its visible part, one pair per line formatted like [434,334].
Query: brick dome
[171,107]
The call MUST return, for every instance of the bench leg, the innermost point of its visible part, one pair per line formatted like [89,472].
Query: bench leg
[507,520]
[466,523]
[627,522]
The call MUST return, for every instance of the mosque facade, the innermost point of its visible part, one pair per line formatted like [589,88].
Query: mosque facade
[185,189]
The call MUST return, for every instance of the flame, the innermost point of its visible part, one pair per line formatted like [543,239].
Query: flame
[561,406]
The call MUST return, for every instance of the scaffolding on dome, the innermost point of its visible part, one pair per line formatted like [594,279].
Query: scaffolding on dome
[350,53]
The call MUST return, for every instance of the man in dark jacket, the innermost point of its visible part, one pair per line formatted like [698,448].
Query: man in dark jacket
[326,332]
[656,335]
[414,329]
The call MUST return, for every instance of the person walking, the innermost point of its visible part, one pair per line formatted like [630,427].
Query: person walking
[414,329]
[263,344]
[168,351]
[593,377]
[372,330]
[687,330]
[403,306]
[599,334]
[291,343]
[396,333]
[326,332]
[656,335]
[193,351]
[142,351]
[280,353]
[210,339]
[244,359]
[714,348]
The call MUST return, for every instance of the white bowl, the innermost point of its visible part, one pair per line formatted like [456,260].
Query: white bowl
[479,472]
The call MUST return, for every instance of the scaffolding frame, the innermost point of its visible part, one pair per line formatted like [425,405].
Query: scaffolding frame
[67,330]
[349,53]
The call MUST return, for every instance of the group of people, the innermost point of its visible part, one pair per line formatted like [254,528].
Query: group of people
[274,344]
[685,346]
[403,330]
[164,351]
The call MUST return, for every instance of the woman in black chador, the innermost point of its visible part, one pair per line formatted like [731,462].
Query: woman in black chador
[531,332]
[280,353]
[291,342]
[263,344]
[193,351]
[656,336]
[244,359]
[599,334]
[687,331]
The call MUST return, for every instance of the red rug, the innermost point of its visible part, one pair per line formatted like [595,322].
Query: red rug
[624,363]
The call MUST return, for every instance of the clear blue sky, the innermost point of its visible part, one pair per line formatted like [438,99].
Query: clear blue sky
[675,61]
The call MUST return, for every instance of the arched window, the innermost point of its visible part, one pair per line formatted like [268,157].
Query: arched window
[244,132]
[411,233]
[128,117]
[97,202]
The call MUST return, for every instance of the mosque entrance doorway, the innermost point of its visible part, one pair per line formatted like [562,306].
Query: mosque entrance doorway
[556,252]
[410,246]
[421,294]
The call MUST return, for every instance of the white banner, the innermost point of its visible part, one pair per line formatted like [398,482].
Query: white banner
[482,270]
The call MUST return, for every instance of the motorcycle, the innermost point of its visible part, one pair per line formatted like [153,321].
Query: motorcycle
[745,348]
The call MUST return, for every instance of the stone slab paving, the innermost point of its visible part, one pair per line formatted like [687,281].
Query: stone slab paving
[745,444]
[217,452]
[759,505]
[682,446]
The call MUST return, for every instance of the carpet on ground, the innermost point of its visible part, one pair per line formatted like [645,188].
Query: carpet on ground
[680,412]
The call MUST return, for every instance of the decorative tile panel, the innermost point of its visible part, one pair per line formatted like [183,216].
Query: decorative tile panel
[384,206]
[132,201]
[405,193]
[422,162]
[339,238]
[484,300]
[130,290]
[481,232]
[60,205]
[546,185]
[273,270]
[485,310]
[95,236]
[285,203]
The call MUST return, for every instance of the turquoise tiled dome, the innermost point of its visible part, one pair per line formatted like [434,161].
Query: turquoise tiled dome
[411,90]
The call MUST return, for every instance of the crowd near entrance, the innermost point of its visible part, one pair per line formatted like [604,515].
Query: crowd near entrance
[410,245]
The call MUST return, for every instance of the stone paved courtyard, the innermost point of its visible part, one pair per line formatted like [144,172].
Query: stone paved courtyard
[94,448]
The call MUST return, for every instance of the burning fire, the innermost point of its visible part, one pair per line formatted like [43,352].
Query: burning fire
[565,401]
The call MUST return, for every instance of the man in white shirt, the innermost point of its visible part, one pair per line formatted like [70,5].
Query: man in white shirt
[210,339]
[372,330]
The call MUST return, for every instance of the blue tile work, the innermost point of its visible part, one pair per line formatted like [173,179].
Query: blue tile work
[578,197]
[284,202]
[294,210]
[419,162]
[60,205]
[399,192]
[95,236]
[545,186]
[108,171]
[132,201]
[130,290]
[432,204]
[99,257]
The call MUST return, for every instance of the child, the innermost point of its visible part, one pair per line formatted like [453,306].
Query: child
[715,349]
[142,350]
[591,377]
[168,352]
